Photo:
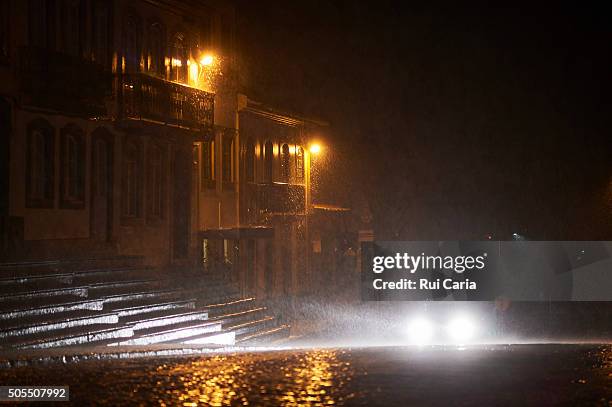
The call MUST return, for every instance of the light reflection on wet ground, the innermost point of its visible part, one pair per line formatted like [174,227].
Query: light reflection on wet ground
[500,375]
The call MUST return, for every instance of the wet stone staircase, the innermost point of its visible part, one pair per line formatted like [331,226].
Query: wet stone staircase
[119,301]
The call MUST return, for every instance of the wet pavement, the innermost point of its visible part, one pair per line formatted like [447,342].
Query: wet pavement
[537,375]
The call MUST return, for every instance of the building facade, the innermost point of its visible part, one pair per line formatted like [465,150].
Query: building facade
[103,102]
[123,133]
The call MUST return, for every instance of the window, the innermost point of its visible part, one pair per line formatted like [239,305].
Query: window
[268,161]
[101,33]
[178,59]
[101,162]
[230,251]
[131,179]
[41,23]
[156,47]
[299,164]
[157,183]
[70,30]
[132,43]
[285,170]
[250,161]
[72,178]
[205,255]
[4,30]
[40,165]
[227,161]
[208,164]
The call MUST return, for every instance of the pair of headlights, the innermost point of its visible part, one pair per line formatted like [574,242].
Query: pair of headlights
[460,330]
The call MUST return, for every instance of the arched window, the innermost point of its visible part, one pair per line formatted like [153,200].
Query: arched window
[132,43]
[178,59]
[299,164]
[41,23]
[70,30]
[156,185]
[285,170]
[250,161]
[156,47]
[101,32]
[72,178]
[131,179]
[4,30]
[40,164]
[268,161]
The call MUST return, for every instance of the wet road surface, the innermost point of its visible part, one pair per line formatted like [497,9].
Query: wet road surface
[537,375]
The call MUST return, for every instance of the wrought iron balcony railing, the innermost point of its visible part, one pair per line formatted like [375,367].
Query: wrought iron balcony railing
[276,198]
[144,97]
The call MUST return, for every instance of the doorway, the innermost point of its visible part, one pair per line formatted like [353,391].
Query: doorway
[101,219]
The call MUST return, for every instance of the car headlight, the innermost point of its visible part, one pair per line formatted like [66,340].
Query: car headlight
[461,329]
[420,331]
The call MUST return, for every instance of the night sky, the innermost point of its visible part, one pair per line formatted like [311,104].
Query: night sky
[447,122]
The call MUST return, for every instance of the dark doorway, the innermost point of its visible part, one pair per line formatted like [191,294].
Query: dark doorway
[101,226]
[250,266]
[269,268]
[268,162]
[181,205]
[5,144]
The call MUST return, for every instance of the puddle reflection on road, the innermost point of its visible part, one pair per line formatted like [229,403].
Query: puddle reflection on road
[313,378]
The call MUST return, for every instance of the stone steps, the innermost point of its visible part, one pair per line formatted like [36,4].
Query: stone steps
[32,282]
[85,335]
[58,324]
[52,303]
[271,335]
[173,333]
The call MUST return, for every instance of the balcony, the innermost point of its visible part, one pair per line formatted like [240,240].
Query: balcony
[144,97]
[61,82]
[276,198]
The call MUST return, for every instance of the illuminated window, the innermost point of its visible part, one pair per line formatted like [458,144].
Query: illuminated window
[178,59]
[208,164]
[268,161]
[205,255]
[299,163]
[230,251]
[285,170]
[40,165]
[72,179]
[156,182]
[131,179]
[250,161]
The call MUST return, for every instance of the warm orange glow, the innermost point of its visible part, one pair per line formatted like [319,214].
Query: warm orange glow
[177,62]
[194,72]
[207,60]
[315,148]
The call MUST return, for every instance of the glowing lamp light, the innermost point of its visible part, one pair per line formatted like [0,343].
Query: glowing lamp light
[207,60]
[420,331]
[461,329]
[315,148]
[193,72]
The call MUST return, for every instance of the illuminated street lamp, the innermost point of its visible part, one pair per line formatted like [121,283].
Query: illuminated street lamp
[207,60]
[315,148]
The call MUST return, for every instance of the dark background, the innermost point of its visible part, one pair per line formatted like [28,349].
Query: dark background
[448,123]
